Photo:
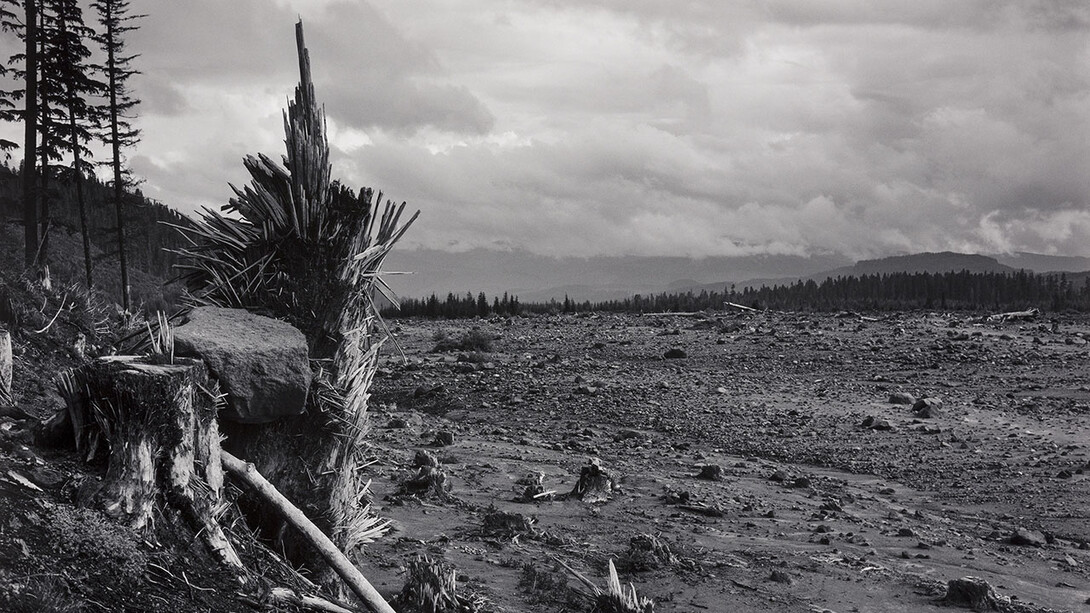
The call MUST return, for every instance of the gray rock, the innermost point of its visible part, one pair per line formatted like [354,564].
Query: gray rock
[675,354]
[711,472]
[260,362]
[1027,538]
[902,398]
[927,407]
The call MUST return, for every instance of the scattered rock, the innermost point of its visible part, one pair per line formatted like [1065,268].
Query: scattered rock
[925,408]
[780,576]
[1027,538]
[974,593]
[711,472]
[877,423]
[902,398]
[625,435]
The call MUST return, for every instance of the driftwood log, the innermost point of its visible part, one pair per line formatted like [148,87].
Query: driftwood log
[248,474]
[1027,315]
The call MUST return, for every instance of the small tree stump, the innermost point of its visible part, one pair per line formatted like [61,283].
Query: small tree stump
[975,593]
[594,484]
[159,423]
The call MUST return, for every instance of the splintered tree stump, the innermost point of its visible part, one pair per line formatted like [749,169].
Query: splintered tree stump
[159,424]
[594,484]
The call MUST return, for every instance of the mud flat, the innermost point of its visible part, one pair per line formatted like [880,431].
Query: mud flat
[761,462]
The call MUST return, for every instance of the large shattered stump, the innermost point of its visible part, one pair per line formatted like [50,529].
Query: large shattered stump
[159,424]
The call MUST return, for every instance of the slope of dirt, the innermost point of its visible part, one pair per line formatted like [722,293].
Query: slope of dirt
[812,509]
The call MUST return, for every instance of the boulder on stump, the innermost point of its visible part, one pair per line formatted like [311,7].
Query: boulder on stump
[261,363]
[5,368]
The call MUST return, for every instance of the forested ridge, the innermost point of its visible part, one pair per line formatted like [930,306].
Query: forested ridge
[150,236]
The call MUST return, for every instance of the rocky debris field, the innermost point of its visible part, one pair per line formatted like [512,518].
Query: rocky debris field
[738,461]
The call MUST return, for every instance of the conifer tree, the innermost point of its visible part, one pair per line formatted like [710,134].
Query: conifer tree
[78,85]
[115,19]
[27,74]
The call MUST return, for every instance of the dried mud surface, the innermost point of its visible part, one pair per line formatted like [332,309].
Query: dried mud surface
[808,510]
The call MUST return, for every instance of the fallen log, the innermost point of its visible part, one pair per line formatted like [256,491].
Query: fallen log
[1027,315]
[740,307]
[248,474]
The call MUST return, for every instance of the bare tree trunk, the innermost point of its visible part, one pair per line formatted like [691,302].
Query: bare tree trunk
[119,180]
[30,142]
[77,165]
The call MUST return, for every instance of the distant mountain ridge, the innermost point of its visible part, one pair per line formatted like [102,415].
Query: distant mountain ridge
[916,263]
[535,278]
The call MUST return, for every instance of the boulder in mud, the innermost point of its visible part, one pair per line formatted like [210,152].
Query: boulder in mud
[260,362]
[902,398]
[974,593]
[926,408]
[1026,538]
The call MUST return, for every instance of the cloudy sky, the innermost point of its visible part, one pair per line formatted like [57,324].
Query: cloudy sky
[650,127]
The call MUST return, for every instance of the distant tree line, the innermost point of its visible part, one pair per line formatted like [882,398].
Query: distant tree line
[951,291]
[456,307]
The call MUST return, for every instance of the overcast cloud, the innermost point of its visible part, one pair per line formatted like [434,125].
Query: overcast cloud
[646,127]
